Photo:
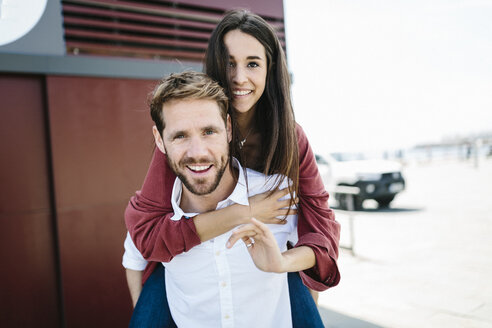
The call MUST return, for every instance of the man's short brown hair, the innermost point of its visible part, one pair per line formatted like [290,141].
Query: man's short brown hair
[185,85]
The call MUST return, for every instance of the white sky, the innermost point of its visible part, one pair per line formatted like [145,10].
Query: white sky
[372,75]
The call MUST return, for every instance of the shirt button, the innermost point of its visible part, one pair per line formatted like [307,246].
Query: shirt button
[224,284]
[226,316]
[217,253]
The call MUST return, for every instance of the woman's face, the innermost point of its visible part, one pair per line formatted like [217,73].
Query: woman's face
[247,71]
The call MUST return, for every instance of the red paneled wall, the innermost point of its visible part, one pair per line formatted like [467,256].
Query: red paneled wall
[28,289]
[101,144]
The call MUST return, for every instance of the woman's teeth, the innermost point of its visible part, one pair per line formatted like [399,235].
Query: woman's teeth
[241,92]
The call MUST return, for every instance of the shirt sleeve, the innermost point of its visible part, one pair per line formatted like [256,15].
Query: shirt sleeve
[132,259]
[149,212]
[317,227]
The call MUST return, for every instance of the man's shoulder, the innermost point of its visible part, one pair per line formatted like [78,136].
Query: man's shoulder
[258,182]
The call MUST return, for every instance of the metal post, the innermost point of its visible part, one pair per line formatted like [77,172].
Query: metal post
[350,192]
[350,208]
[478,146]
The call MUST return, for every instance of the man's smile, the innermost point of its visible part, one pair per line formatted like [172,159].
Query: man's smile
[199,168]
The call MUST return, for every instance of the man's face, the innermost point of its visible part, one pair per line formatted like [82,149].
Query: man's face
[196,142]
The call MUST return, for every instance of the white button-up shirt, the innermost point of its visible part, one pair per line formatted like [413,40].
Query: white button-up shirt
[212,286]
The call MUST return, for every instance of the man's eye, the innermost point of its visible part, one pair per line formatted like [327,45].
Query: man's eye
[209,132]
[179,136]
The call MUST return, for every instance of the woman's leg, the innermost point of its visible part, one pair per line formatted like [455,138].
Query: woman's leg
[152,309]
[304,311]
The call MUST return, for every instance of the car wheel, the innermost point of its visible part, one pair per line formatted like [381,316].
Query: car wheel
[343,202]
[384,202]
[358,203]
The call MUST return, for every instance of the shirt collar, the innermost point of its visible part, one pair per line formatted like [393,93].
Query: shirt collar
[239,195]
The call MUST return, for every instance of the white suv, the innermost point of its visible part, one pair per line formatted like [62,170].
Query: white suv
[380,180]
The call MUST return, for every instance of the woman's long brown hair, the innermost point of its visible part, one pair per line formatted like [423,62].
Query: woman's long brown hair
[274,114]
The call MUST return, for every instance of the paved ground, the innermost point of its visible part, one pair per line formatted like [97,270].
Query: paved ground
[427,261]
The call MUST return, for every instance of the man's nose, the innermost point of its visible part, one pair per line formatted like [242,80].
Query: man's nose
[239,75]
[197,147]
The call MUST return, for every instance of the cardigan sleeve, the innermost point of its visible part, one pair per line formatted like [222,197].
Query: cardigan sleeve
[148,216]
[317,227]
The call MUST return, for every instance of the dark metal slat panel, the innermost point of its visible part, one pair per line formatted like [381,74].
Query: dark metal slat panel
[150,9]
[81,23]
[105,50]
[111,14]
[112,37]
[149,28]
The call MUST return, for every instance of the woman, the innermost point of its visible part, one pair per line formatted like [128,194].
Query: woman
[245,56]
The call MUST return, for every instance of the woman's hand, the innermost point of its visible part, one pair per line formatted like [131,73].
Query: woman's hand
[264,250]
[266,208]
[261,206]
[261,244]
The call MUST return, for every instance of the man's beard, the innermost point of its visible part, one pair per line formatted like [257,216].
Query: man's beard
[198,186]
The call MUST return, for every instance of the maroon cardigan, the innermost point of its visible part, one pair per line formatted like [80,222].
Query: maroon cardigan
[159,238]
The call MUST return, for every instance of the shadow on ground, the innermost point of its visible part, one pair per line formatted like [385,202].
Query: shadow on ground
[392,210]
[383,209]
[333,319]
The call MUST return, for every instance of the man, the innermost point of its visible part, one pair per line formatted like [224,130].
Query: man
[216,283]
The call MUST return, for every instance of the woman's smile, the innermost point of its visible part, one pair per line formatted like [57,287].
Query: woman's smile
[241,93]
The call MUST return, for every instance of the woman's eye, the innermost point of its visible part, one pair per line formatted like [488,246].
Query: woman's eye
[253,64]
[231,64]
